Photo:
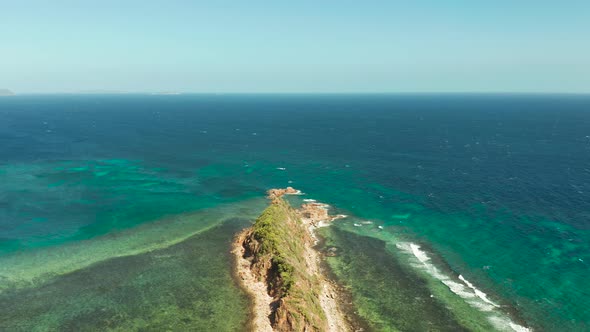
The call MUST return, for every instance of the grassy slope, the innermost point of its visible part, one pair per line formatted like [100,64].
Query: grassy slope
[282,239]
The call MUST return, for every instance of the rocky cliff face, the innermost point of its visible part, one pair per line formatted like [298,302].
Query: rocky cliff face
[275,248]
[279,268]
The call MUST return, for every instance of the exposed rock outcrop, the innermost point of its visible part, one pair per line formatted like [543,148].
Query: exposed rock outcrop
[273,194]
[278,266]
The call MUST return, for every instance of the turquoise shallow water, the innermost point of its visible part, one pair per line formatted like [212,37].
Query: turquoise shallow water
[490,188]
[60,201]
[183,287]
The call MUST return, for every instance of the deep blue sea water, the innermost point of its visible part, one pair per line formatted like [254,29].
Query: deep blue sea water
[492,188]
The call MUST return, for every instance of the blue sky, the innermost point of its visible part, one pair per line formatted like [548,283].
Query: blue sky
[295,46]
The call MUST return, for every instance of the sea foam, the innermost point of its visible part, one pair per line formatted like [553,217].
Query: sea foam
[477,292]
[463,288]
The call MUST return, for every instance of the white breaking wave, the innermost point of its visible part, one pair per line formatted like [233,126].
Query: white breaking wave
[505,324]
[477,292]
[296,192]
[462,288]
[421,255]
[322,205]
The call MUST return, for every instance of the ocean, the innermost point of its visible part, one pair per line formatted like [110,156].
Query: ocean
[466,211]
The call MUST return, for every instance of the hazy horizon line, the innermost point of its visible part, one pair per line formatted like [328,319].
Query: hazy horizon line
[173,92]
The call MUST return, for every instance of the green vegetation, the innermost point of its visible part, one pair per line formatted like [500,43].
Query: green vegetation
[281,237]
[275,230]
[267,228]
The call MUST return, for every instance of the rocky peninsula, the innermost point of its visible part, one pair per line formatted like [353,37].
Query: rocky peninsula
[277,265]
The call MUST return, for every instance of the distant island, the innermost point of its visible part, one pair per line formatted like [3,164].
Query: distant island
[101,92]
[6,92]
[166,93]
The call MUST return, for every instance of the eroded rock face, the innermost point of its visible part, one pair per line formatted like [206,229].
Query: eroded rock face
[278,266]
[315,212]
[278,193]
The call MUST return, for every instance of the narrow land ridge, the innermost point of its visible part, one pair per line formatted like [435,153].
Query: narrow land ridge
[277,265]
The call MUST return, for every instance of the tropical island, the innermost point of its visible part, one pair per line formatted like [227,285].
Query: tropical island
[6,92]
[277,265]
